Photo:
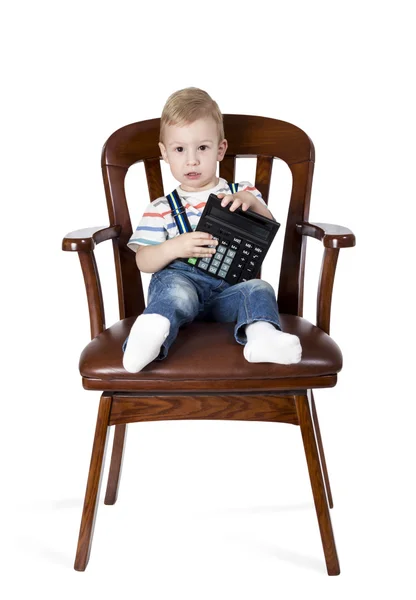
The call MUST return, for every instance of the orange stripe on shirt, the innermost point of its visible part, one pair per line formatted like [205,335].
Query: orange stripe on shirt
[148,214]
[187,205]
[200,205]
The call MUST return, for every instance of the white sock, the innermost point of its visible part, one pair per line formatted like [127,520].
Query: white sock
[146,337]
[265,343]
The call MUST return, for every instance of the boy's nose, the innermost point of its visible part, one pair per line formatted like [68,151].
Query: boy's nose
[192,159]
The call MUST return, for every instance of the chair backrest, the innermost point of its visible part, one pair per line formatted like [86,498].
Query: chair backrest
[248,136]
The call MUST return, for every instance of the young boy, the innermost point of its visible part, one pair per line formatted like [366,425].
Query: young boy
[191,142]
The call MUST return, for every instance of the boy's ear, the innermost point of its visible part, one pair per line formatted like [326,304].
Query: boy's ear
[222,148]
[163,151]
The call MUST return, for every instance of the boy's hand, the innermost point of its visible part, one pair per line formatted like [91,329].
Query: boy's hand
[243,199]
[194,244]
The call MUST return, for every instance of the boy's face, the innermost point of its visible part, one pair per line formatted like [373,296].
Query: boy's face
[192,151]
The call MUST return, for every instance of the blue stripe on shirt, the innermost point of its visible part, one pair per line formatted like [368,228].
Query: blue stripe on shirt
[143,241]
[143,228]
[170,225]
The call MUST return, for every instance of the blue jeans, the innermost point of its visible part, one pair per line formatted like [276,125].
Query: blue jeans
[183,293]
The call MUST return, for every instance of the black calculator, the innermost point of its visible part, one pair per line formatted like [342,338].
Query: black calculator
[244,238]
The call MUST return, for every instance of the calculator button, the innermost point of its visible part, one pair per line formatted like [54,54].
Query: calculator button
[215,263]
[246,252]
[230,253]
[237,240]
[234,276]
[228,260]
[222,273]
[251,263]
[219,256]
[204,260]
[213,270]
[257,253]
[225,267]
[246,275]
[248,245]
[234,246]
[225,243]
[221,249]
[203,265]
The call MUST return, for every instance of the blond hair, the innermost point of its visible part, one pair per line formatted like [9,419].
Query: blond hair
[188,105]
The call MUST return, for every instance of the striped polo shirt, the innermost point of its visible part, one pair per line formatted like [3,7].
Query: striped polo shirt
[157,223]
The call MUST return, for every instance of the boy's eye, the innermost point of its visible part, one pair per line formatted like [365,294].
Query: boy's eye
[179,149]
[203,147]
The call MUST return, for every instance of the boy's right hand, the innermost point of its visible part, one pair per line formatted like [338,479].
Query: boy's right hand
[194,244]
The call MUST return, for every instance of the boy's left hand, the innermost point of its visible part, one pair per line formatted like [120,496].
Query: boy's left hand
[243,199]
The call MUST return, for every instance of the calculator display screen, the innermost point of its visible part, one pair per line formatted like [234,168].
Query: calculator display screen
[240,222]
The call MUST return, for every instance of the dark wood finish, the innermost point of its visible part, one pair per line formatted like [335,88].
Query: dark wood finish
[129,283]
[154,178]
[221,387]
[321,450]
[93,484]
[262,180]
[129,409]
[281,397]
[317,483]
[263,177]
[94,292]
[227,168]
[248,135]
[290,294]
[332,236]
[86,239]
[325,287]
[116,463]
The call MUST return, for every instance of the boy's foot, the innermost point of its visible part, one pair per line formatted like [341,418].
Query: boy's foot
[146,337]
[265,343]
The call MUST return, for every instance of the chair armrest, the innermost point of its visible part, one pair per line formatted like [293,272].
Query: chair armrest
[333,238]
[85,240]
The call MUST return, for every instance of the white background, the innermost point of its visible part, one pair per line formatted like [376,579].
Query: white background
[208,509]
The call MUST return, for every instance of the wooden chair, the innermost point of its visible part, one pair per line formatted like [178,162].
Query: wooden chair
[220,384]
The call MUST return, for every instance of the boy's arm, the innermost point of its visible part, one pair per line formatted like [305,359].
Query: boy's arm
[260,208]
[154,257]
[150,259]
[248,197]
[245,200]
[149,240]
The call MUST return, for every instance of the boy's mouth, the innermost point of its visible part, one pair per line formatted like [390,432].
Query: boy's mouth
[192,174]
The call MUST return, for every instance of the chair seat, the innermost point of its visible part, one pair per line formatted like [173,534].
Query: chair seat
[203,357]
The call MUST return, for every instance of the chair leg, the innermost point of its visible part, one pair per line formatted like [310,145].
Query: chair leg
[116,464]
[317,483]
[93,484]
[321,450]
